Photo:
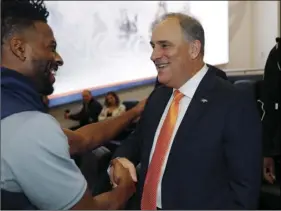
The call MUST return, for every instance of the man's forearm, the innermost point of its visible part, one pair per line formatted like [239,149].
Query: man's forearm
[98,133]
[76,116]
[113,200]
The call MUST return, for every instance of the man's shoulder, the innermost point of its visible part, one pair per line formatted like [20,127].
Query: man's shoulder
[29,115]
[235,95]
[219,72]
[36,159]
[94,102]
[30,129]
[28,120]
[224,86]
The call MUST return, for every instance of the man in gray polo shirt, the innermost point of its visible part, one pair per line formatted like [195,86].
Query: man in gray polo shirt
[36,169]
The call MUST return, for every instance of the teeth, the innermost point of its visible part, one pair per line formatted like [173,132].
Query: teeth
[162,65]
[53,71]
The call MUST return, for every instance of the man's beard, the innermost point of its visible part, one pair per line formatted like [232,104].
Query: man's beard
[41,77]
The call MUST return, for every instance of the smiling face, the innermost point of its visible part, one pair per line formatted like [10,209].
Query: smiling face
[28,45]
[172,54]
[32,51]
[41,58]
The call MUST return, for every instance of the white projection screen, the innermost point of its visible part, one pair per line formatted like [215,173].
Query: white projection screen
[104,43]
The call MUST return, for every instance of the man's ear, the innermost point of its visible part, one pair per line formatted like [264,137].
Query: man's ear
[194,49]
[17,46]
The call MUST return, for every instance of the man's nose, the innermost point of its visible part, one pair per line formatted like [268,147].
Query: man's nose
[156,54]
[59,60]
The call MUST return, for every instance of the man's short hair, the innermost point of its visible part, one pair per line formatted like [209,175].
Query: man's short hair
[17,15]
[191,27]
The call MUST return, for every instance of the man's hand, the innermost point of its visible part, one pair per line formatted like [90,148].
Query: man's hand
[66,115]
[116,176]
[268,169]
[140,107]
[122,176]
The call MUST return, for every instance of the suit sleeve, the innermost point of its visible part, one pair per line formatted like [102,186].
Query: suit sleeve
[131,146]
[76,116]
[243,151]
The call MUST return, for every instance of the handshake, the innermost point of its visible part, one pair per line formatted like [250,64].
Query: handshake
[123,175]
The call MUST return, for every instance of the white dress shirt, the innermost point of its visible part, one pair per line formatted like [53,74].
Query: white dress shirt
[188,89]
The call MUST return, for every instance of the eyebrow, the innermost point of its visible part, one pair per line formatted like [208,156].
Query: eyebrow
[159,42]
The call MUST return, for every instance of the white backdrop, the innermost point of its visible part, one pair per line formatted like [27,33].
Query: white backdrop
[104,43]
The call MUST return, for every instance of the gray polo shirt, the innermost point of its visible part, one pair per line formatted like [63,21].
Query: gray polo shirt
[35,160]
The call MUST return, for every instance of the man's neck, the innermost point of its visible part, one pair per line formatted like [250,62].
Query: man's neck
[12,66]
[193,70]
[196,68]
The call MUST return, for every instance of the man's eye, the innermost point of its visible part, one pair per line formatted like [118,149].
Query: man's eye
[53,48]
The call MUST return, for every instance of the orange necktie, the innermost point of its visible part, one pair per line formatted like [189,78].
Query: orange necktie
[149,195]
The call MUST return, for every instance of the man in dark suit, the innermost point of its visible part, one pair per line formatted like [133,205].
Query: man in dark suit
[272,115]
[89,112]
[199,137]
[220,73]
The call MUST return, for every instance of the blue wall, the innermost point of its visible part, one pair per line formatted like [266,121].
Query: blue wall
[98,92]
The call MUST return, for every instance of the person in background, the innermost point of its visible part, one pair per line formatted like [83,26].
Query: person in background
[37,171]
[112,107]
[90,110]
[272,116]
[199,137]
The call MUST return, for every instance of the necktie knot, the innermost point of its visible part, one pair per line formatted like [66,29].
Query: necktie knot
[178,96]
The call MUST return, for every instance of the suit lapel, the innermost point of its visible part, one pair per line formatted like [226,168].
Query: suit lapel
[198,106]
[156,109]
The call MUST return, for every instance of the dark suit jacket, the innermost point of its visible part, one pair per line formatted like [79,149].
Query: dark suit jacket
[220,73]
[215,161]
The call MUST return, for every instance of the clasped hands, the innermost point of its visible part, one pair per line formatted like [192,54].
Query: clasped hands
[122,169]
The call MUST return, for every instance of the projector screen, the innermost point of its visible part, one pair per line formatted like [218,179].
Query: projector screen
[104,44]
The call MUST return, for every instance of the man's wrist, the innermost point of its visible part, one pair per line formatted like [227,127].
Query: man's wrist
[129,189]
